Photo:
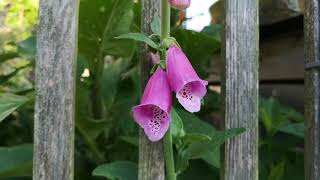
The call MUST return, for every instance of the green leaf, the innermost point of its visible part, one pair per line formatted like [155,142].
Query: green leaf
[275,115]
[192,138]
[99,22]
[88,128]
[208,151]
[5,78]
[198,47]
[139,37]
[176,127]
[296,129]
[28,48]
[277,171]
[213,31]
[131,140]
[155,25]
[9,103]
[111,77]
[119,170]
[7,56]
[16,161]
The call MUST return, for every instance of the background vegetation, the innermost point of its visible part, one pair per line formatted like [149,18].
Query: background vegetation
[108,86]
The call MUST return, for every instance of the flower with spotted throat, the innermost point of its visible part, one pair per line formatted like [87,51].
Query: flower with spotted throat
[153,114]
[184,81]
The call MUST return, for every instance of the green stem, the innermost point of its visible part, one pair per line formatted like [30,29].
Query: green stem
[165,19]
[168,151]
[98,156]
[97,104]
[96,92]
[168,156]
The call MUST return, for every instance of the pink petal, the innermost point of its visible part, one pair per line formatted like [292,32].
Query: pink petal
[184,81]
[153,114]
[180,4]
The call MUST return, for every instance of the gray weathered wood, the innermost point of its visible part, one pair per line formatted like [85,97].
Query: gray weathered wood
[151,161]
[55,89]
[240,154]
[312,91]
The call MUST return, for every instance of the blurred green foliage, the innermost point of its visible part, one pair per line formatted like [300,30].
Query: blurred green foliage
[108,84]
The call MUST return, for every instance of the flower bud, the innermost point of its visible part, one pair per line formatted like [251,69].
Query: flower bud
[180,4]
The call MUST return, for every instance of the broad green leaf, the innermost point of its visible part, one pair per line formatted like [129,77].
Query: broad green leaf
[99,23]
[192,138]
[118,170]
[16,160]
[277,171]
[27,48]
[5,78]
[213,31]
[208,151]
[176,127]
[199,170]
[139,37]
[9,103]
[155,25]
[131,140]
[7,56]
[296,129]
[199,48]
[111,77]
[275,115]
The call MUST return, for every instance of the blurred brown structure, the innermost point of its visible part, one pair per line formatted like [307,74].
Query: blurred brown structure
[281,50]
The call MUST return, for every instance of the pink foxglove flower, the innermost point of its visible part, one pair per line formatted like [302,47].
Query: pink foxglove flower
[180,4]
[153,114]
[184,81]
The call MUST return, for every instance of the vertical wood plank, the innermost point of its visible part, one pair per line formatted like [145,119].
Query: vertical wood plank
[240,50]
[312,91]
[55,90]
[151,161]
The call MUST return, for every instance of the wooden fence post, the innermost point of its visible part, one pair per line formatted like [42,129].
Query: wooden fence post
[312,90]
[151,161]
[55,90]
[241,51]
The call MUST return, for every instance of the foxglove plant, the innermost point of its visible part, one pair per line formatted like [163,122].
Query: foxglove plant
[184,81]
[153,114]
[180,4]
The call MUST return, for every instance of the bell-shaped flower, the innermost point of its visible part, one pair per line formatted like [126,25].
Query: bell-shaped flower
[153,114]
[180,4]
[184,81]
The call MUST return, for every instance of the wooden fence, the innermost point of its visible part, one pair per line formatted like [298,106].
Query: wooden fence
[55,84]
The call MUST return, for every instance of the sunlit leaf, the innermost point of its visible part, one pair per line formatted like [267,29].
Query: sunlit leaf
[9,103]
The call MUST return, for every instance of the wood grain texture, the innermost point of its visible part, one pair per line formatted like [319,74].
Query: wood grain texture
[55,90]
[312,91]
[151,161]
[240,50]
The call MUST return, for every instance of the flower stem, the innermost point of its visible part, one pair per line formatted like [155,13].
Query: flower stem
[168,151]
[168,156]
[165,19]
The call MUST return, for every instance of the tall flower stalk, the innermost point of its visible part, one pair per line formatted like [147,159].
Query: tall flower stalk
[168,151]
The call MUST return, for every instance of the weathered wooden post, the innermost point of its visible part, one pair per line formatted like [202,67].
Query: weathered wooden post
[55,90]
[312,89]
[240,51]
[151,162]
